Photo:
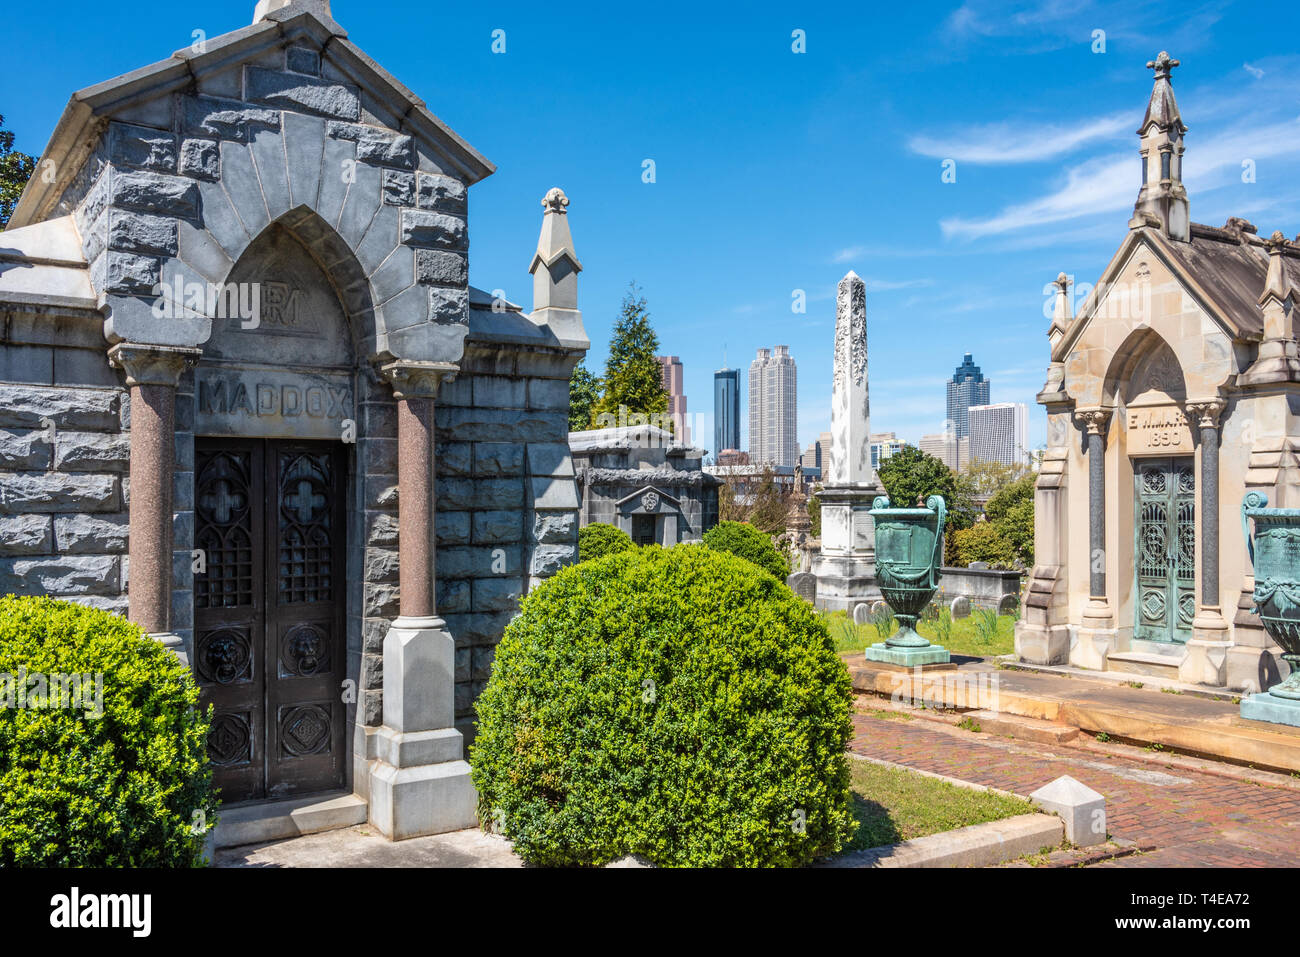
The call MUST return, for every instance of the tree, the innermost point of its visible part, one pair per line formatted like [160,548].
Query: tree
[633,378]
[1011,512]
[584,393]
[758,500]
[911,475]
[15,170]
[989,478]
[980,543]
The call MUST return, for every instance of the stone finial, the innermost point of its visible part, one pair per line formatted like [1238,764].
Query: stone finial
[1162,64]
[555,201]
[555,269]
[1162,201]
[1277,285]
[1063,309]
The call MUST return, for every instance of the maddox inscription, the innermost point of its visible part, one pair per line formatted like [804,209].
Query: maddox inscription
[272,404]
[1159,429]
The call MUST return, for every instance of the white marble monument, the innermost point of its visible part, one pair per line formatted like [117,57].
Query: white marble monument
[845,569]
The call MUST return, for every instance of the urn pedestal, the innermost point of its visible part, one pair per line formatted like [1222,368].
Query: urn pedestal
[909,553]
[1275,553]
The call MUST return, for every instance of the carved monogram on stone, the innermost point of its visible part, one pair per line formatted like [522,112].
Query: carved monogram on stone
[650,501]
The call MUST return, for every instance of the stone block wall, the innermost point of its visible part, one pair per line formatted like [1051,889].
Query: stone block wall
[506,502]
[64,457]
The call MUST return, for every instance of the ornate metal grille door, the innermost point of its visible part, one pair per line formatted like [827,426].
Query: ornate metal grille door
[269,652]
[1165,548]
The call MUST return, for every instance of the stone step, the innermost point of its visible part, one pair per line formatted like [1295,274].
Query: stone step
[1024,729]
[279,820]
[1141,663]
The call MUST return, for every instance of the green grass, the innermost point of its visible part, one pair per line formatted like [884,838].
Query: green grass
[894,804]
[964,639]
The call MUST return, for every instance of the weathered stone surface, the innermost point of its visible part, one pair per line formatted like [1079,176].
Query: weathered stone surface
[423,228]
[960,607]
[453,596]
[381,600]
[201,159]
[440,267]
[305,93]
[383,529]
[156,193]
[92,451]
[548,394]
[65,575]
[498,458]
[399,188]
[26,535]
[25,450]
[549,458]
[454,458]
[141,233]
[377,146]
[804,584]
[381,565]
[303,60]
[500,392]
[497,594]
[549,559]
[496,527]
[555,527]
[58,492]
[483,493]
[500,425]
[483,656]
[25,406]
[142,147]
[442,193]
[476,561]
[127,273]
[478,628]
[225,119]
[453,528]
[74,534]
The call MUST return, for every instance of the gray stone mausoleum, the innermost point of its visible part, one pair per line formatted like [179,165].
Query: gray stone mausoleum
[242,370]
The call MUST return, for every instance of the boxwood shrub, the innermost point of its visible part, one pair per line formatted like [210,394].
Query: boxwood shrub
[107,769]
[598,540]
[743,539]
[667,703]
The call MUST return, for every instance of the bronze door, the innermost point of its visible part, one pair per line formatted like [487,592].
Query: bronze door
[269,614]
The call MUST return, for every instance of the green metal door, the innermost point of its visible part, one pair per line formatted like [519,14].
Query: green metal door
[1165,548]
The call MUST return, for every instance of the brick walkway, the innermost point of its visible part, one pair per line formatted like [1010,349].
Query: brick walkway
[1190,818]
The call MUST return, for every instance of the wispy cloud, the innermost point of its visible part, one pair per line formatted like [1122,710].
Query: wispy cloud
[1001,143]
[1254,71]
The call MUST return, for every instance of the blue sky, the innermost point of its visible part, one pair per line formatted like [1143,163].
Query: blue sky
[779,171]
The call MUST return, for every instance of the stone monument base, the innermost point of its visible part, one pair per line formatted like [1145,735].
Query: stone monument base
[1271,708]
[845,581]
[908,656]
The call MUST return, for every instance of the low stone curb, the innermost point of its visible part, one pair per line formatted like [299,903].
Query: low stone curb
[979,845]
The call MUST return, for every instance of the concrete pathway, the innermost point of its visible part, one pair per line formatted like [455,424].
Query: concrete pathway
[1182,812]
[363,846]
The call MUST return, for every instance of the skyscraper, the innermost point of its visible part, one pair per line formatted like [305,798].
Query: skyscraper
[999,433]
[671,367]
[726,411]
[772,408]
[967,387]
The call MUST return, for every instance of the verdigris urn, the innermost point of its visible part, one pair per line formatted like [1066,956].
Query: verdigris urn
[909,552]
[1275,553]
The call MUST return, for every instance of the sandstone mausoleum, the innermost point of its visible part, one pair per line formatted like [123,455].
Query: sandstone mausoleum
[249,399]
[1172,392]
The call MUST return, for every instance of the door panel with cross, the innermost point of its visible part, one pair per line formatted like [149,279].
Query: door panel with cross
[269,614]
[1165,548]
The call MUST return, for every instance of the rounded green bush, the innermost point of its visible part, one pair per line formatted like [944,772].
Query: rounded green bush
[598,540]
[743,539]
[668,703]
[102,747]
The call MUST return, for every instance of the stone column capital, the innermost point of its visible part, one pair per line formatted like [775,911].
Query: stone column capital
[414,379]
[152,365]
[1094,420]
[1206,412]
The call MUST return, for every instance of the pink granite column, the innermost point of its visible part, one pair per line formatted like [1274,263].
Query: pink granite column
[152,373]
[415,384]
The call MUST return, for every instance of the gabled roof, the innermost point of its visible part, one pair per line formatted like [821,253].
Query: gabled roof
[89,110]
[43,264]
[1224,268]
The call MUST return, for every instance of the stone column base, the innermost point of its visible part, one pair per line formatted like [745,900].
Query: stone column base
[1042,644]
[845,581]
[419,784]
[173,643]
[1255,669]
[1206,662]
[1093,647]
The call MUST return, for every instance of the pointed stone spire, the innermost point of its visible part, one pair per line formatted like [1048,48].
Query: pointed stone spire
[1277,360]
[1063,310]
[850,402]
[1162,201]
[1278,288]
[555,269]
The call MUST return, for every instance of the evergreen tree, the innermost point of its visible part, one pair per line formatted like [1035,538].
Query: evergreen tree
[15,170]
[633,377]
[584,393]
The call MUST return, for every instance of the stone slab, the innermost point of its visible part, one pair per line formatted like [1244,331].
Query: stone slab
[278,820]
[907,657]
[979,845]
[1270,708]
